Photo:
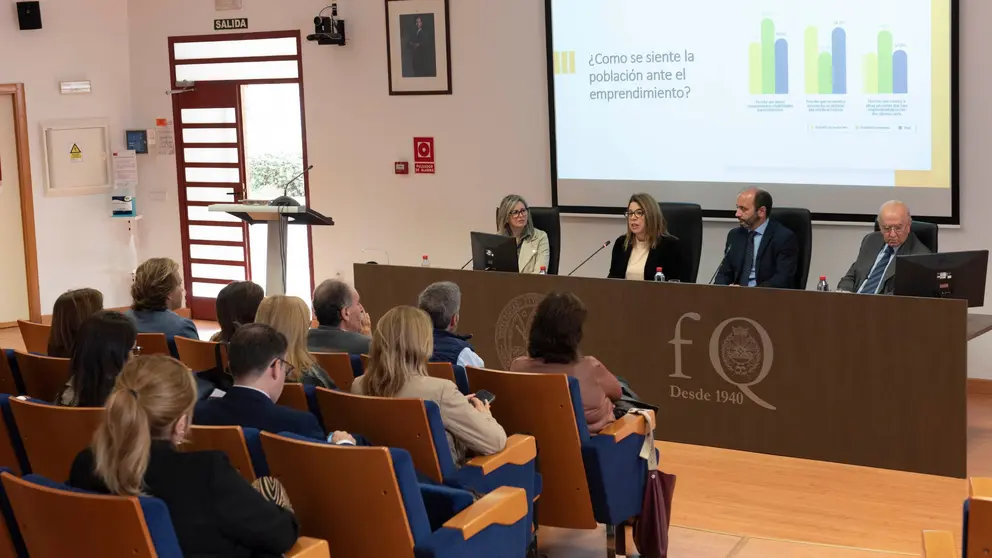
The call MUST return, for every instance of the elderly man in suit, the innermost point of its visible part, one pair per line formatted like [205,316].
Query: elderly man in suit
[872,272]
[761,252]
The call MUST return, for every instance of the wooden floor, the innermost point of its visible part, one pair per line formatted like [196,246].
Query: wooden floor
[746,505]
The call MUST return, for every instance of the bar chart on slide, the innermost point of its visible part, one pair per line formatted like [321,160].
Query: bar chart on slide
[825,69]
[768,62]
[886,71]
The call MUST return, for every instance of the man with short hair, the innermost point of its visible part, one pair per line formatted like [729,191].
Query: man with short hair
[442,302]
[339,312]
[257,357]
[761,252]
[873,270]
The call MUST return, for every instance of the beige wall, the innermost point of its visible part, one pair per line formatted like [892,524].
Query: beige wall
[13,281]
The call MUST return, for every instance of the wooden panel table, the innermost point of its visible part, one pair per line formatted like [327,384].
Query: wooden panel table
[865,380]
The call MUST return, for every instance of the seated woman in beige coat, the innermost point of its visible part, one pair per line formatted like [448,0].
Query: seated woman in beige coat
[401,345]
[513,219]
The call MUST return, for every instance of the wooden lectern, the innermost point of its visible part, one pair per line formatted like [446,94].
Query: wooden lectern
[278,218]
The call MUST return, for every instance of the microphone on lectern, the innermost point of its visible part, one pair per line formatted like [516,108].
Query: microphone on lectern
[598,250]
[466,263]
[719,267]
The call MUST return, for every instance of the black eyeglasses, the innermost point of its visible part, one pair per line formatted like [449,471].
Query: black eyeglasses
[637,213]
[518,212]
[289,367]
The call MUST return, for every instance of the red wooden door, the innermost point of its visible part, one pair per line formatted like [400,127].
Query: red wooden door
[211,170]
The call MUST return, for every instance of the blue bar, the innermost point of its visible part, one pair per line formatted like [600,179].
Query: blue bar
[781,66]
[900,72]
[839,55]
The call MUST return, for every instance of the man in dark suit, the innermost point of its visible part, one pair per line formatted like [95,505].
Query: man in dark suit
[257,356]
[761,252]
[872,272]
[340,314]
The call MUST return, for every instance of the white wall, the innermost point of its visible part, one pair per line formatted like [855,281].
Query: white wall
[13,281]
[491,139]
[78,244]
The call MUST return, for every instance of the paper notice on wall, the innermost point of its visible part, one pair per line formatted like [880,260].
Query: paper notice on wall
[222,5]
[165,137]
[125,166]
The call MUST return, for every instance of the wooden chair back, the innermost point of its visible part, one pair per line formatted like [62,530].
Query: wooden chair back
[939,544]
[228,439]
[384,421]
[58,523]
[7,548]
[8,457]
[979,526]
[153,344]
[541,405]
[327,510]
[43,377]
[53,436]
[338,367]
[294,397]
[8,384]
[200,356]
[365,362]
[35,336]
[442,370]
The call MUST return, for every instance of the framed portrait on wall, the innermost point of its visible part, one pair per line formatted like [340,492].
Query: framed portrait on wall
[418,47]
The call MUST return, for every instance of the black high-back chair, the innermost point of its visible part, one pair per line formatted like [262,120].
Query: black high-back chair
[799,221]
[548,219]
[685,221]
[925,233]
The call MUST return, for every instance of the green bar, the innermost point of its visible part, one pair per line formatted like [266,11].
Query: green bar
[754,68]
[812,48]
[826,74]
[885,62]
[871,74]
[768,57]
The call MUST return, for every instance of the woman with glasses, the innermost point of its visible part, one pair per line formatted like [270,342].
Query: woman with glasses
[104,343]
[513,219]
[646,246]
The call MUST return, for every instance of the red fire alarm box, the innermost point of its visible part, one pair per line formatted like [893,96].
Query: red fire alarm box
[401,167]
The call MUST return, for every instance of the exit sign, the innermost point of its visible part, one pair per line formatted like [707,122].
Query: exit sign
[230,23]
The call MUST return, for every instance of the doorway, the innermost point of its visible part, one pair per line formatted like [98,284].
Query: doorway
[240,134]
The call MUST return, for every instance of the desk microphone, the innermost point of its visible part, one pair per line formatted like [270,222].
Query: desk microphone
[598,250]
[466,263]
[722,260]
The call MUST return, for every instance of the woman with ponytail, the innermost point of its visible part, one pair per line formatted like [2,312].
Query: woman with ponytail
[214,511]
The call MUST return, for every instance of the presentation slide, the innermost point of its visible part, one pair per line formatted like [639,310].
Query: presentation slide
[835,106]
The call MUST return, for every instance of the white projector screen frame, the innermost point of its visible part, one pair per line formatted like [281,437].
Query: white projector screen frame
[606,195]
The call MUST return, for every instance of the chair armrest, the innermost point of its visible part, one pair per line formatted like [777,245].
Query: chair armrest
[939,544]
[980,487]
[306,547]
[504,506]
[520,449]
[625,426]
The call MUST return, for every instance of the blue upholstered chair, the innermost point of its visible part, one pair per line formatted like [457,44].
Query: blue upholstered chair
[11,541]
[587,479]
[242,446]
[12,454]
[10,374]
[397,517]
[416,426]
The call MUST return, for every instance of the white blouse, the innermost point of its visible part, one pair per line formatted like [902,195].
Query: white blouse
[638,259]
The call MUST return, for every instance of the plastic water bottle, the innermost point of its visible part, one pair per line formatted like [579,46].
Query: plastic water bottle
[659,276]
[425,262]
[544,270]
[823,285]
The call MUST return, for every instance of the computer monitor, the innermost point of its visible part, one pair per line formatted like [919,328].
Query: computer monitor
[494,252]
[948,275]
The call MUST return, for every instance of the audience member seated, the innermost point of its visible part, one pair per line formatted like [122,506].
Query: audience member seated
[214,511]
[647,244]
[340,314]
[553,346]
[156,292]
[401,345]
[533,249]
[103,345]
[68,313]
[257,358]
[237,304]
[442,302]
[290,316]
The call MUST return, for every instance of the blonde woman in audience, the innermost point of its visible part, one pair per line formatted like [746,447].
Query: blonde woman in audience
[214,511]
[402,343]
[290,316]
[156,293]
[68,313]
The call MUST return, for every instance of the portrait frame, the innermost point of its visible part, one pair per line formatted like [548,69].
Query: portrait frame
[418,47]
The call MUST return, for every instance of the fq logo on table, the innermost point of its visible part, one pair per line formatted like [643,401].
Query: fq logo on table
[740,351]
